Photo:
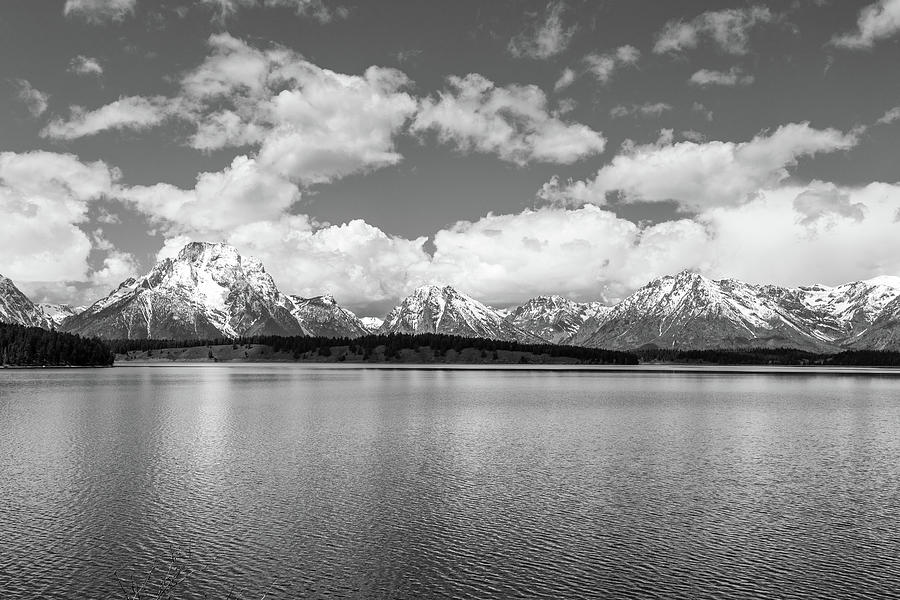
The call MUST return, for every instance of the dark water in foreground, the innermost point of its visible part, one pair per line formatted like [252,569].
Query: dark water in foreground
[352,483]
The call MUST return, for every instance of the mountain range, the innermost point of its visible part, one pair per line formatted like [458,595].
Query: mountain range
[211,291]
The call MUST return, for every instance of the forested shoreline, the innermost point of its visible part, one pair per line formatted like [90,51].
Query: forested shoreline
[22,346]
[448,348]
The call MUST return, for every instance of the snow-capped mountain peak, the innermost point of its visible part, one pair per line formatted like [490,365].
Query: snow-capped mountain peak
[553,318]
[208,290]
[443,309]
[322,316]
[15,307]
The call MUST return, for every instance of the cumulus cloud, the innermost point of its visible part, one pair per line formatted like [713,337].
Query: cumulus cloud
[604,66]
[219,201]
[876,22]
[729,30]
[86,65]
[309,124]
[512,122]
[44,198]
[355,261]
[99,11]
[699,175]
[132,112]
[34,100]
[321,10]
[546,37]
[585,253]
[648,109]
[823,200]
[856,239]
[733,77]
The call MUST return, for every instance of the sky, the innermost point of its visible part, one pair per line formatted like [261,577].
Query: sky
[510,148]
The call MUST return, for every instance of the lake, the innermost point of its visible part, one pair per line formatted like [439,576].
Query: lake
[293,481]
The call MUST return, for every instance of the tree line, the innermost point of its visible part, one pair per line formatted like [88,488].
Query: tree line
[391,345]
[36,347]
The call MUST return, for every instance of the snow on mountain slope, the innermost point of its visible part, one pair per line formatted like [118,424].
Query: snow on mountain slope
[883,333]
[57,313]
[853,307]
[207,291]
[16,308]
[435,309]
[554,318]
[321,316]
[688,310]
[372,324]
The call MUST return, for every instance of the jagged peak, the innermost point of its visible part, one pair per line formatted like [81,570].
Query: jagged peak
[202,252]
[327,299]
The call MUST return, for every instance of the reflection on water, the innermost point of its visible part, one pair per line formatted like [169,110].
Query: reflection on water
[366,483]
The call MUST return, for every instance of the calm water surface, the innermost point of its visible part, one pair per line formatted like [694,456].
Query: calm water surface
[363,483]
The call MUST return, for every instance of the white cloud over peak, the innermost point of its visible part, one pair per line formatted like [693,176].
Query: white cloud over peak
[85,65]
[35,101]
[132,113]
[729,30]
[700,175]
[604,66]
[546,37]
[513,122]
[220,201]
[876,22]
[733,77]
[355,261]
[98,11]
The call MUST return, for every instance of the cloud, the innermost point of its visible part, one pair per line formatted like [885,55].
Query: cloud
[99,11]
[355,261]
[85,65]
[309,124]
[822,200]
[566,78]
[319,10]
[44,198]
[220,201]
[585,253]
[700,175]
[33,99]
[132,112]
[733,77]
[546,37]
[876,22]
[890,116]
[728,30]
[648,109]
[849,235]
[512,122]
[604,66]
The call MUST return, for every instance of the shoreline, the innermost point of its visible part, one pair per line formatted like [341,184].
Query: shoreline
[658,368]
